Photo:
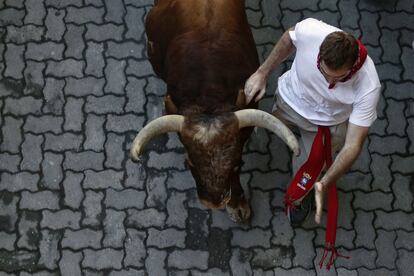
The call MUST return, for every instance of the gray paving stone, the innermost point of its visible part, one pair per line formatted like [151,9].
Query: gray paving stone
[379,127]
[388,71]
[14,61]
[39,200]
[62,142]
[96,3]
[95,62]
[398,91]
[124,123]
[135,251]
[298,271]
[114,149]
[114,229]
[102,259]
[102,179]
[272,258]
[154,264]
[261,272]
[155,86]
[261,211]
[134,30]
[54,24]
[48,247]
[127,198]
[80,239]
[410,132]
[53,96]
[45,123]
[283,234]
[346,8]
[304,250]
[373,201]
[128,272]
[405,240]
[44,51]
[124,50]
[18,182]
[394,113]
[73,190]
[92,207]
[85,160]
[52,171]
[22,106]
[115,76]
[405,262]
[105,104]
[255,161]
[33,75]
[408,68]
[36,12]
[186,259]
[364,227]
[59,4]
[402,193]
[239,262]
[346,213]
[177,212]
[8,211]
[100,33]
[359,258]
[145,218]
[74,41]
[270,180]
[84,86]
[115,11]
[94,132]
[20,259]
[384,244]
[85,15]
[377,272]
[135,95]
[166,238]
[65,68]
[252,237]
[24,34]
[11,16]
[167,160]
[381,170]
[9,162]
[12,135]
[389,40]
[312,5]
[60,219]
[387,145]
[156,190]
[69,264]
[369,27]
[394,220]
[402,165]
[73,114]
[135,175]
[7,241]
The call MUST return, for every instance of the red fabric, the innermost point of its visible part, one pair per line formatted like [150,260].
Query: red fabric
[305,178]
[362,56]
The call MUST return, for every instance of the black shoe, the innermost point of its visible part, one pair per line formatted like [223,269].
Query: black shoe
[297,215]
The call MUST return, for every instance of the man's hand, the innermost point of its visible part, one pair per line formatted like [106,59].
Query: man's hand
[320,191]
[255,87]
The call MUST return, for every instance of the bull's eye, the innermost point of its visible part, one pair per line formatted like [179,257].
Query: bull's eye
[236,169]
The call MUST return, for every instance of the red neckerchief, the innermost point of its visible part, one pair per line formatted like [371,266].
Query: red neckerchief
[303,181]
[362,56]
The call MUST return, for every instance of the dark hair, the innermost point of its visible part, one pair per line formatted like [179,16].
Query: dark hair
[339,50]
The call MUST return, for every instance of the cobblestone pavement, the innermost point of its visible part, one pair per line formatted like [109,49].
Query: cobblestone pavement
[75,86]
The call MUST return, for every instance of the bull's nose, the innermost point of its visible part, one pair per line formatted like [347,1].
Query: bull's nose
[211,205]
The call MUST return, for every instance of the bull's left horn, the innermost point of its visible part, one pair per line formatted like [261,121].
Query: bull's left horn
[255,117]
[167,123]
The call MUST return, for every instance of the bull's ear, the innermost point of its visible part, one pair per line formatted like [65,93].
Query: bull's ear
[241,99]
[170,107]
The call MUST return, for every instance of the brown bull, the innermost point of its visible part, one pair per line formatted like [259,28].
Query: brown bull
[204,51]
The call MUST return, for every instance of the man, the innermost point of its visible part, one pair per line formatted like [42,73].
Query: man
[332,82]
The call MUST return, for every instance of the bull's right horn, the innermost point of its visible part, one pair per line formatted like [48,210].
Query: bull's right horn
[255,117]
[167,123]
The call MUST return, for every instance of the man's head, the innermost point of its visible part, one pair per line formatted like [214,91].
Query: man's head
[338,53]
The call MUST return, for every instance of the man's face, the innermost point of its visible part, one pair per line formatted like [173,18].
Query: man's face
[333,76]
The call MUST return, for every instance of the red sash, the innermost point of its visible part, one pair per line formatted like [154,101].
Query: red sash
[303,182]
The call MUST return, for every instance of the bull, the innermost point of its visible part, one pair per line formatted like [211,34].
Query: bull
[204,51]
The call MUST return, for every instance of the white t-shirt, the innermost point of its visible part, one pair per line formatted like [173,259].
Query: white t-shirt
[306,90]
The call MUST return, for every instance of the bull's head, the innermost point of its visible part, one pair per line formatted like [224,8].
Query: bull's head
[214,147]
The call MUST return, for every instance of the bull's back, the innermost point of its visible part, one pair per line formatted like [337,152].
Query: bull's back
[169,19]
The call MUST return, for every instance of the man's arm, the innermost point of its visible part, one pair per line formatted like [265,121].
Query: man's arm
[354,140]
[257,82]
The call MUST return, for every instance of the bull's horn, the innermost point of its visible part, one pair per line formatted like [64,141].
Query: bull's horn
[167,123]
[255,117]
